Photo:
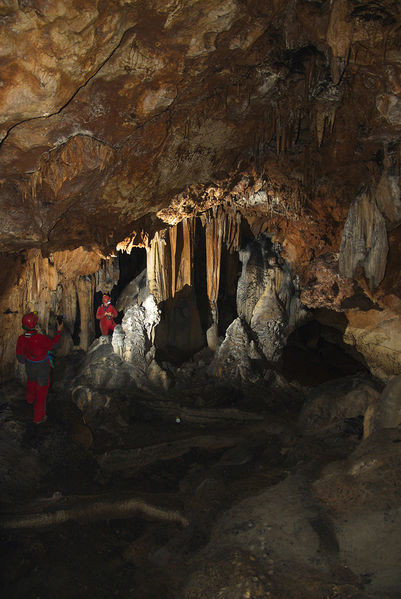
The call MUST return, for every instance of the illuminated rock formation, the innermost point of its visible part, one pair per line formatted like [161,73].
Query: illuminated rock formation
[121,125]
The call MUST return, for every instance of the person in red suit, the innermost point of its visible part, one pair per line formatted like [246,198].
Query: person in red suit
[33,351]
[106,314]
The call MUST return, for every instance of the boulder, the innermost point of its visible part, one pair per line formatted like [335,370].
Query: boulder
[264,545]
[233,360]
[363,495]
[101,408]
[135,292]
[376,335]
[330,405]
[102,368]
[386,411]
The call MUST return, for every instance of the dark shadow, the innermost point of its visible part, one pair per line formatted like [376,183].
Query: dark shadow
[199,274]
[179,334]
[227,301]
[316,353]
[77,324]
[131,265]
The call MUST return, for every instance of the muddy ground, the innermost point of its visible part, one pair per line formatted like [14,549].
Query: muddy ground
[238,514]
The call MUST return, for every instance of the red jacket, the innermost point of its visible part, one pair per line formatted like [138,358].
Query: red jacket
[109,312]
[34,346]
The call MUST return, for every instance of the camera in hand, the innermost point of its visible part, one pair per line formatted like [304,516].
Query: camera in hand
[59,319]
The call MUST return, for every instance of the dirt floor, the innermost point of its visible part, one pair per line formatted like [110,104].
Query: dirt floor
[219,510]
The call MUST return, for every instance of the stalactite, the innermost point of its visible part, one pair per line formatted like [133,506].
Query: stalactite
[325,118]
[185,269]
[85,287]
[170,257]
[364,241]
[214,229]
[107,275]
[220,227]
[67,162]
[170,261]
[158,268]
[138,239]
[339,38]
[173,256]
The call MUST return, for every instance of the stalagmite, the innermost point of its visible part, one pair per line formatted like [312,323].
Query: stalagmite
[267,297]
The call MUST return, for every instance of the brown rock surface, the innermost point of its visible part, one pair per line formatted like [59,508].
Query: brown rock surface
[119,118]
[108,113]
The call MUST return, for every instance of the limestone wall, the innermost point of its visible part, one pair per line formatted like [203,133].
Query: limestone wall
[62,283]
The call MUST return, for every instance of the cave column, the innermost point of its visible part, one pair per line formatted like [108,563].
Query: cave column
[214,223]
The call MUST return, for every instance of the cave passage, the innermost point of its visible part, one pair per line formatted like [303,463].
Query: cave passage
[315,353]
[214,432]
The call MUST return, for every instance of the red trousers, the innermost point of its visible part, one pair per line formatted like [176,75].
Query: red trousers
[37,395]
[106,325]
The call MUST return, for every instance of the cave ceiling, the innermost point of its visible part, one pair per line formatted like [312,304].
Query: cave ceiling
[118,117]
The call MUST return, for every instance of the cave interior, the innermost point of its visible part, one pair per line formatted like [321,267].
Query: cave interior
[229,173]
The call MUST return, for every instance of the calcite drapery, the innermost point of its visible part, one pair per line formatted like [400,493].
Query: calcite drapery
[364,241]
[170,260]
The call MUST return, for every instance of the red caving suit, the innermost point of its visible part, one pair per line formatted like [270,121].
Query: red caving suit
[32,350]
[106,315]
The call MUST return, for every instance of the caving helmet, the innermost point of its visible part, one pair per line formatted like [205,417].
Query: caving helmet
[29,321]
[106,300]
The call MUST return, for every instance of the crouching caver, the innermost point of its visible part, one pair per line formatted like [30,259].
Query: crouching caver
[32,350]
[106,314]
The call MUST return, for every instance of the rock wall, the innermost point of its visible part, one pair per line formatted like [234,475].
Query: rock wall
[62,283]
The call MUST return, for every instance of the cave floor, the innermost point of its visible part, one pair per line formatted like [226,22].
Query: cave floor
[179,553]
